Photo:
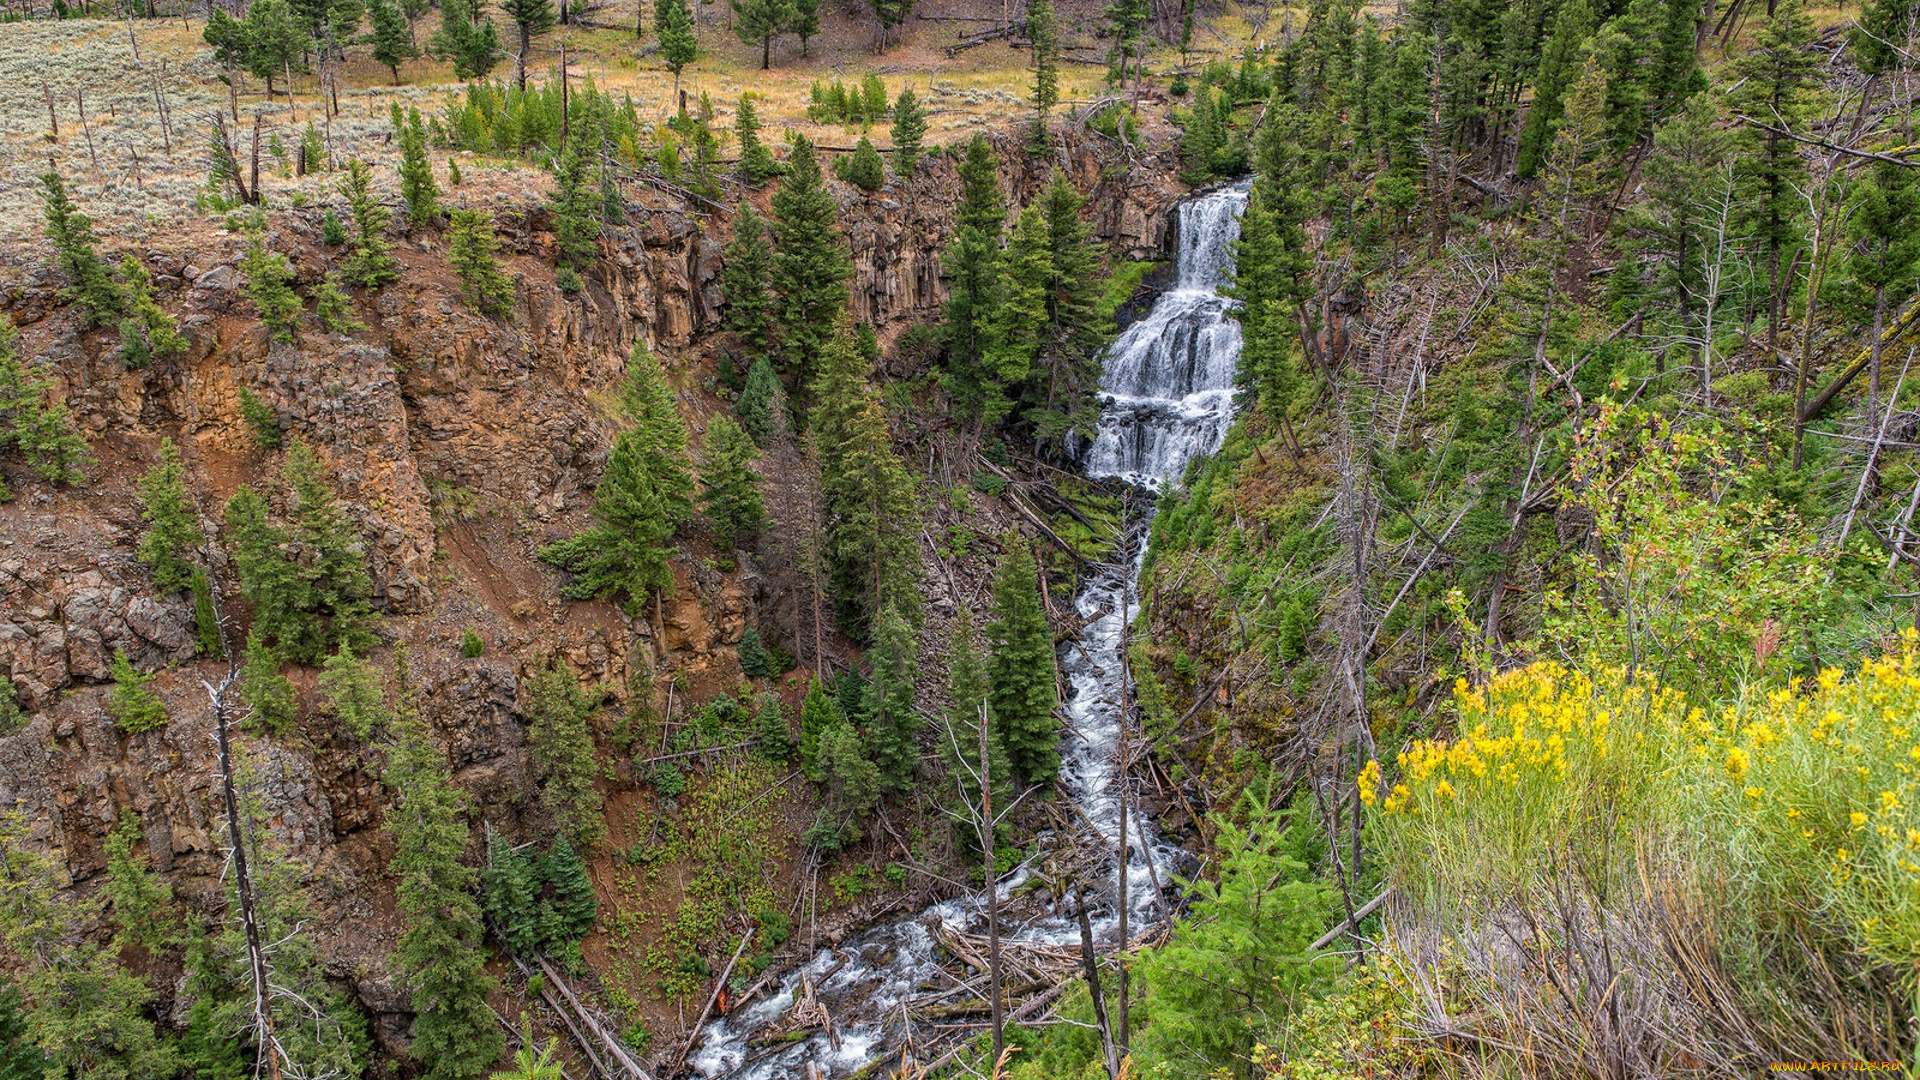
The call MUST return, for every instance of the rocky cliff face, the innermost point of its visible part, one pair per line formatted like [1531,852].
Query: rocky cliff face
[458,445]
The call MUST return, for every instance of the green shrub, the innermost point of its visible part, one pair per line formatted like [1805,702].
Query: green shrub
[134,707]
[471,643]
[261,418]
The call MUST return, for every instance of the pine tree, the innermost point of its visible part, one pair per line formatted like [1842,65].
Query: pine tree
[137,899]
[391,37]
[1885,232]
[173,527]
[893,724]
[1676,220]
[959,737]
[269,578]
[754,661]
[19,1058]
[770,728]
[803,21]
[1775,78]
[817,714]
[440,958]
[1883,38]
[889,14]
[1017,321]
[1271,267]
[850,697]
[83,1012]
[466,37]
[270,41]
[810,261]
[746,273]
[1021,675]
[369,261]
[1127,26]
[332,555]
[418,191]
[758,22]
[571,897]
[972,263]
[147,332]
[1043,37]
[763,405]
[560,740]
[730,489]
[1559,64]
[532,19]
[867,496]
[1060,399]
[356,693]
[864,169]
[510,896]
[756,161]
[333,308]
[474,250]
[853,783]
[679,44]
[90,288]
[266,692]
[909,128]
[135,708]
[576,211]
[32,422]
[267,279]
[644,495]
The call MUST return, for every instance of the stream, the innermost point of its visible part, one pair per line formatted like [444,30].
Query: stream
[1167,390]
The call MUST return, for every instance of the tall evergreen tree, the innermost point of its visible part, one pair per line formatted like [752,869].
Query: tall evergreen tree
[440,958]
[356,693]
[770,727]
[644,495]
[510,896]
[31,422]
[576,208]
[419,193]
[1043,37]
[83,1012]
[308,583]
[267,279]
[853,785]
[466,37]
[893,724]
[679,44]
[730,489]
[972,264]
[532,19]
[173,526]
[1885,232]
[369,261]
[867,496]
[810,262]
[1017,321]
[756,161]
[909,128]
[1021,677]
[966,686]
[571,899]
[1060,399]
[560,741]
[1883,37]
[746,277]
[1775,78]
[1681,233]
[90,287]
[758,22]
[803,22]
[473,249]
[1559,64]
[817,714]
[268,695]
[391,36]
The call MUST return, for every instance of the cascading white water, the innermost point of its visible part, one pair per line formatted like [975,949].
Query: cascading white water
[1168,385]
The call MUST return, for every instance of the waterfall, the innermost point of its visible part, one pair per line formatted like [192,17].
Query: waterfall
[1168,384]
[1168,398]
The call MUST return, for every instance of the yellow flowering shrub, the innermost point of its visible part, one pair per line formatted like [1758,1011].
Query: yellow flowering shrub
[1797,809]
[1543,766]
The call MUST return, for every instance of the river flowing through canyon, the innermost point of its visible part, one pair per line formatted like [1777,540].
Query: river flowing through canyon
[1168,387]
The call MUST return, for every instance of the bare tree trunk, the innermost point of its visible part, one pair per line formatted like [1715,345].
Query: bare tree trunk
[993,890]
[1094,990]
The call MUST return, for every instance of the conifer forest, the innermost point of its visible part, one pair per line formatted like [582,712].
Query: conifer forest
[922,539]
